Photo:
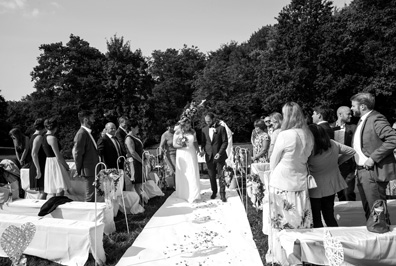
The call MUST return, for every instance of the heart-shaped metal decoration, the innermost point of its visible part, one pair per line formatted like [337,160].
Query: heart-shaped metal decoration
[15,240]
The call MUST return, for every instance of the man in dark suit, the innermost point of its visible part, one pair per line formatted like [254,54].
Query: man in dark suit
[214,143]
[109,148]
[343,132]
[374,141]
[122,132]
[320,116]
[85,153]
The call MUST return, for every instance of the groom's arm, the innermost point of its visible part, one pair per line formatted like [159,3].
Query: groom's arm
[224,141]
[203,140]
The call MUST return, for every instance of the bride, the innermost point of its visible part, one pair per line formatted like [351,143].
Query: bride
[187,171]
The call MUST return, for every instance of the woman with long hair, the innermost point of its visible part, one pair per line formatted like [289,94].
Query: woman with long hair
[187,171]
[289,205]
[37,168]
[276,121]
[323,165]
[21,145]
[57,178]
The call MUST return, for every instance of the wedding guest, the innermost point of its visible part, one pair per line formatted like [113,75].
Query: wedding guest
[268,124]
[276,121]
[374,141]
[21,146]
[166,148]
[122,132]
[323,165]
[253,135]
[320,116]
[134,157]
[289,203]
[56,169]
[37,168]
[261,143]
[85,153]
[109,148]
[343,132]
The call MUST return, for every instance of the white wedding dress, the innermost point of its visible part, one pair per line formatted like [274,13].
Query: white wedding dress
[187,172]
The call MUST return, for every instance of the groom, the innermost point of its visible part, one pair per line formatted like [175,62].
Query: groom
[214,143]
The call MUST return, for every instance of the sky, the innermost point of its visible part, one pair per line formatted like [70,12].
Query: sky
[147,24]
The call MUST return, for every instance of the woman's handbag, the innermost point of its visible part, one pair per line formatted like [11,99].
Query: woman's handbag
[311,180]
[378,221]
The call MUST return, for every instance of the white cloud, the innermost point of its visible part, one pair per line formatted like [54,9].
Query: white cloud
[55,4]
[35,12]
[10,5]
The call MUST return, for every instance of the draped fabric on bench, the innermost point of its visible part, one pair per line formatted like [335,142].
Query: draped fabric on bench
[67,242]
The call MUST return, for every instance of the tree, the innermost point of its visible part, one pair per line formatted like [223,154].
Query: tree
[228,86]
[128,85]
[174,72]
[5,140]
[67,79]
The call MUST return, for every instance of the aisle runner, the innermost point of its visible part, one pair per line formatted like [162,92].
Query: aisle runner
[208,232]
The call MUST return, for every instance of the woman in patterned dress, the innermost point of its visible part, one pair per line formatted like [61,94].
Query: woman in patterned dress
[261,143]
[290,206]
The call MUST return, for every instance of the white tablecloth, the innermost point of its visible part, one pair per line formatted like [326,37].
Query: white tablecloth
[361,247]
[63,241]
[75,210]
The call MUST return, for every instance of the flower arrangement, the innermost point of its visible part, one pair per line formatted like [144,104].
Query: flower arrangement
[257,189]
[106,183]
[228,173]
[182,141]
[190,111]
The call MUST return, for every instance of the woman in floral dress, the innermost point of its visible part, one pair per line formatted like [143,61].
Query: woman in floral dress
[261,143]
[290,206]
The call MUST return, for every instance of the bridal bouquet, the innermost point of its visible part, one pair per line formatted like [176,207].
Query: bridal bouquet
[182,141]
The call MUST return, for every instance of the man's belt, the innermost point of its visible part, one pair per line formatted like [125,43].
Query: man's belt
[358,167]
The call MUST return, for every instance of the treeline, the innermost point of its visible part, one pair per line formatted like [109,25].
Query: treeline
[314,55]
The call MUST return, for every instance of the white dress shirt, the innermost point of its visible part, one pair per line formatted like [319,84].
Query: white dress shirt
[360,158]
[89,133]
[211,133]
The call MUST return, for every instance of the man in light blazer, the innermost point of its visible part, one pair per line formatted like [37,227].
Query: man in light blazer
[85,153]
[214,143]
[374,141]
[343,132]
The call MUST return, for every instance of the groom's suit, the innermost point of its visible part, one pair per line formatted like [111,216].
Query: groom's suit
[216,145]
